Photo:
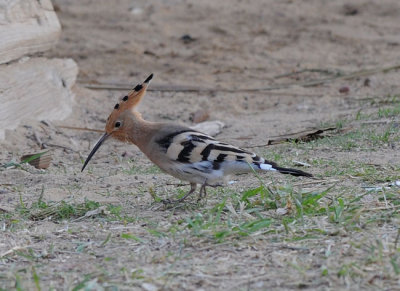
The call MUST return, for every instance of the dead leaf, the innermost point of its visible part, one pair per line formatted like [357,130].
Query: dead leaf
[304,135]
[38,160]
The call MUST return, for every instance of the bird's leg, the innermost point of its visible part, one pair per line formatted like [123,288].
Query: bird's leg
[192,189]
[203,192]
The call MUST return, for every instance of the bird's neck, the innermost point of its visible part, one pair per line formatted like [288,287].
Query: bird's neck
[141,131]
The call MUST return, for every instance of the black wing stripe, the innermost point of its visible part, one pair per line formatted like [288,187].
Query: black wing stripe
[206,152]
[199,137]
[166,141]
[221,158]
[184,155]
[218,161]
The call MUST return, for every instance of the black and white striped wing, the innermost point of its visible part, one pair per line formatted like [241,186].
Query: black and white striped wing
[198,149]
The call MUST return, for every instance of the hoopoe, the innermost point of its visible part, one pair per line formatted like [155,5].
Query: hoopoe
[182,152]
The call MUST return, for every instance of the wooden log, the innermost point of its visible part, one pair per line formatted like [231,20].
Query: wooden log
[36,88]
[26,27]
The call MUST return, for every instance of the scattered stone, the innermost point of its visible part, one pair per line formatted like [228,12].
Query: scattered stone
[303,164]
[149,287]
[282,211]
[211,128]
[344,90]
[187,38]
[200,116]
[136,11]
[350,10]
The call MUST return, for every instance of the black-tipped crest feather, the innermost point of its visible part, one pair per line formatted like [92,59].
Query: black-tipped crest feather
[148,79]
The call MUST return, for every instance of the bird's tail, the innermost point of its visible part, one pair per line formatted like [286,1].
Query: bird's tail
[293,172]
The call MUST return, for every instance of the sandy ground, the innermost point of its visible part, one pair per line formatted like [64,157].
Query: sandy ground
[229,46]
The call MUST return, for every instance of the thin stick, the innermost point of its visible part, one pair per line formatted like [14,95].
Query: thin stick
[38,140]
[382,208]
[315,182]
[178,88]
[322,71]
[80,128]
[10,251]
[353,75]
[310,83]
[397,238]
[384,121]
[59,146]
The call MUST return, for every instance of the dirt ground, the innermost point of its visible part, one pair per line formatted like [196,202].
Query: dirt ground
[233,47]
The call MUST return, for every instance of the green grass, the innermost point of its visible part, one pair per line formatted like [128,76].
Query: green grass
[57,211]
[364,138]
[328,226]
[339,205]
[223,223]
[389,111]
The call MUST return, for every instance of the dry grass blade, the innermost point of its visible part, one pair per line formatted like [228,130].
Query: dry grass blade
[65,210]
[42,214]
[14,249]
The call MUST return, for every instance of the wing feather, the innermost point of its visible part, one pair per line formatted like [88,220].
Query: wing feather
[194,147]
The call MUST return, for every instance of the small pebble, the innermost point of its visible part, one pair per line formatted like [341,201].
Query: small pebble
[282,211]
[200,116]
[187,38]
[344,90]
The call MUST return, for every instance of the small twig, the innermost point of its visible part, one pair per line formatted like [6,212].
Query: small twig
[383,208]
[294,248]
[60,146]
[100,210]
[38,140]
[80,128]
[304,164]
[349,76]
[4,210]
[397,238]
[176,184]
[384,121]
[213,246]
[327,72]
[14,249]
[315,182]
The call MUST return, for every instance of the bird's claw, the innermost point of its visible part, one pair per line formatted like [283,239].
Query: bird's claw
[167,201]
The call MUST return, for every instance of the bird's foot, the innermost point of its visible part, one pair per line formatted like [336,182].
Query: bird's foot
[169,201]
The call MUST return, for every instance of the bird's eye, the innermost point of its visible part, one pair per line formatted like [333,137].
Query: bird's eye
[117,124]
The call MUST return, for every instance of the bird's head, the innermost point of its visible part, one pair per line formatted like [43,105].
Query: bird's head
[122,118]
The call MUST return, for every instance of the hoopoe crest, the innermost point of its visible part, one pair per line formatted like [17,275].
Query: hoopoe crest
[182,152]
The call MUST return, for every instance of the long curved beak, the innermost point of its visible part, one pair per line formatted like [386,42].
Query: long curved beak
[94,150]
